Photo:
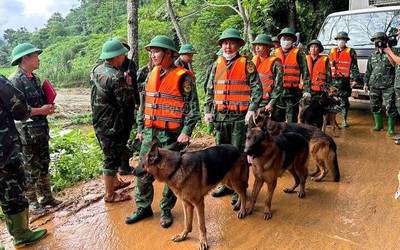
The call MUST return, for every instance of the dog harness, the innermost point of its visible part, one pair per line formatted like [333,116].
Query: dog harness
[164,102]
[291,69]
[266,75]
[317,72]
[340,62]
[231,90]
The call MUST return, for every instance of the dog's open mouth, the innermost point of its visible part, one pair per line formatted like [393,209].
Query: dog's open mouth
[250,159]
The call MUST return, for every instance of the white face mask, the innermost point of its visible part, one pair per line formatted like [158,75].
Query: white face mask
[286,44]
[229,57]
[341,43]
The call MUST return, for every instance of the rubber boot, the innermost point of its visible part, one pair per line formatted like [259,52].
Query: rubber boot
[44,188]
[378,122]
[109,186]
[221,191]
[344,118]
[391,121]
[17,226]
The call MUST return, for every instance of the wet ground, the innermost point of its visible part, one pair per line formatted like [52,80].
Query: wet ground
[359,212]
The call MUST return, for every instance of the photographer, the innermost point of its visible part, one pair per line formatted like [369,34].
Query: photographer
[379,79]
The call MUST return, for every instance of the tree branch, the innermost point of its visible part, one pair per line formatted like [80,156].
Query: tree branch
[223,5]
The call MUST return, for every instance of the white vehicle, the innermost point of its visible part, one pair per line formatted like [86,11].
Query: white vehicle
[360,25]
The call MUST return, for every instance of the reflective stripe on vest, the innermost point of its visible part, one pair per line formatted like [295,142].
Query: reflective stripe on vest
[164,105]
[266,75]
[317,73]
[231,90]
[291,69]
[340,62]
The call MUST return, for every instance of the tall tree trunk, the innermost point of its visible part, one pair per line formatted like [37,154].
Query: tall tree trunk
[132,29]
[171,13]
[246,22]
[292,13]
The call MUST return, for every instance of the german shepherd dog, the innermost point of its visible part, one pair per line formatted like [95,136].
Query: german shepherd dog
[322,146]
[192,175]
[332,109]
[272,155]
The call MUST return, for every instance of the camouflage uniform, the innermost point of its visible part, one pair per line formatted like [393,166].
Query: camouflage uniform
[179,62]
[34,138]
[13,106]
[168,139]
[111,101]
[396,51]
[142,74]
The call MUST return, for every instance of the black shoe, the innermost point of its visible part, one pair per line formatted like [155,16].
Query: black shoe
[166,219]
[221,191]
[140,214]
[128,171]
[235,198]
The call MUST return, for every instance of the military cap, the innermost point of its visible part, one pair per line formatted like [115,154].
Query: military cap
[187,49]
[21,50]
[123,41]
[231,34]
[317,42]
[112,48]
[378,35]
[263,39]
[287,31]
[162,41]
[342,34]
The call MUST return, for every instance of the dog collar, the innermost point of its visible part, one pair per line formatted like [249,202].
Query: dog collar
[176,169]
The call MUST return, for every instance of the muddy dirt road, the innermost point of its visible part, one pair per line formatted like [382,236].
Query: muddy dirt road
[359,212]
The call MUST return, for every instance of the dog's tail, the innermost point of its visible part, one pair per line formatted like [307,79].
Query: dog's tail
[335,166]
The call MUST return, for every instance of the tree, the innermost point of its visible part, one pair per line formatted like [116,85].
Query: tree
[132,29]
[172,16]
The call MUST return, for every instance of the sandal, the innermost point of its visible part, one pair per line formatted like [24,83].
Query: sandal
[122,184]
[116,197]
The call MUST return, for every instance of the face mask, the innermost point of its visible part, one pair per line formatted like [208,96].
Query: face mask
[286,44]
[229,57]
[341,43]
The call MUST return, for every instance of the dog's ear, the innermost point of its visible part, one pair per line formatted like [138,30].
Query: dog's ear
[153,155]
[155,141]
[252,122]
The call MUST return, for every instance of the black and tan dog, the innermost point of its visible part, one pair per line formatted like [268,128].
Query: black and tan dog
[332,110]
[192,175]
[322,146]
[271,156]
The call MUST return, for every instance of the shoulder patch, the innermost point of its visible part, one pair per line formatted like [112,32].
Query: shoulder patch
[187,87]
[250,68]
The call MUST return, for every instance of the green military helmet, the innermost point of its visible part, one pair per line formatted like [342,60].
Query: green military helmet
[342,34]
[263,39]
[21,50]
[162,41]
[220,52]
[112,48]
[287,31]
[317,42]
[187,49]
[123,41]
[231,34]
[378,35]
[275,39]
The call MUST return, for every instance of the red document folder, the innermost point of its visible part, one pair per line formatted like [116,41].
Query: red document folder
[49,91]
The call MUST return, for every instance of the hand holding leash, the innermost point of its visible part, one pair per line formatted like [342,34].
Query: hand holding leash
[249,114]
[306,96]
[183,139]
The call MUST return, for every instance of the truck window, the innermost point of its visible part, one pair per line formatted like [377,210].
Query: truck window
[360,27]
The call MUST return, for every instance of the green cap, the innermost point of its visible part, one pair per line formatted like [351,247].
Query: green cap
[123,41]
[162,41]
[220,52]
[231,34]
[112,48]
[342,34]
[317,42]
[378,35]
[275,39]
[21,50]
[287,31]
[263,39]
[187,49]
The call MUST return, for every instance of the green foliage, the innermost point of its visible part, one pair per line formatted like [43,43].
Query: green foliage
[75,156]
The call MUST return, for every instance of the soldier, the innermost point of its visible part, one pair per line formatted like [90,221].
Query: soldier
[345,71]
[234,92]
[128,67]
[276,42]
[14,106]
[111,101]
[379,79]
[186,53]
[270,70]
[169,110]
[294,69]
[319,68]
[34,134]
[143,73]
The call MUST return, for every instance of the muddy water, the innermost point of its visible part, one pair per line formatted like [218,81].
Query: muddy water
[359,212]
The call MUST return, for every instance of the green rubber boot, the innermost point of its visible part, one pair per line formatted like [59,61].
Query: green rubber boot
[344,118]
[391,122]
[378,122]
[17,226]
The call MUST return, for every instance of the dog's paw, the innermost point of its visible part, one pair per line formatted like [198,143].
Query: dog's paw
[203,245]
[267,216]
[302,194]
[179,237]
[288,190]
[316,179]
[242,214]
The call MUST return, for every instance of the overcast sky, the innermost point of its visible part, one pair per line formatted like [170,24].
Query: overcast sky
[31,14]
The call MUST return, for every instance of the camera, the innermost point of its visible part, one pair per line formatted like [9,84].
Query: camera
[387,40]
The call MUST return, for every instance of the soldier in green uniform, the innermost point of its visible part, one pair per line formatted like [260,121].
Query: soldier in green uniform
[345,73]
[295,70]
[234,92]
[276,42]
[186,53]
[111,101]
[379,80]
[14,106]
[169,110]
[34,133]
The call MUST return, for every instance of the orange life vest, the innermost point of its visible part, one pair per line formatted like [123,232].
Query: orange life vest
[340,63]
[231,90]
[291,69]
[266,75]
[164,105]
[317,73]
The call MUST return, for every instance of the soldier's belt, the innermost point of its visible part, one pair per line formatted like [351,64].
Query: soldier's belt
[162,118]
